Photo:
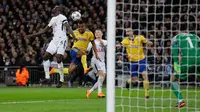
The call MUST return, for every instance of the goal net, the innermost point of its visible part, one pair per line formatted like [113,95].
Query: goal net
[158,21]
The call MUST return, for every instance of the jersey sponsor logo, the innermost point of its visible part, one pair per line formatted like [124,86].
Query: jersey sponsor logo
[100,50]
[134,45]
[82,39]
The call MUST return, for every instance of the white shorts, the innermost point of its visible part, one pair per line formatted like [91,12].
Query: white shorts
[57,46]
[98,65]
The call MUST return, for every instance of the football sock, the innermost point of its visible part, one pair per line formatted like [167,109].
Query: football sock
[84,62]
[65,70]
[94,87]
[100,83]
[60,68]
[176,89]
[146,87]
[46,65]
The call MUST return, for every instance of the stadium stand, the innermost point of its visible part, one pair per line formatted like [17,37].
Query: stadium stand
[21,18]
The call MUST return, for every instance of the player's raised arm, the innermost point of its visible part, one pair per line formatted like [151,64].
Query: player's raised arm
[40,32]
[69,29]
[147,42]
[51,24]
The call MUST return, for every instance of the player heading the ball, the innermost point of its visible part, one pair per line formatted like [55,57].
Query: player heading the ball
[58,44]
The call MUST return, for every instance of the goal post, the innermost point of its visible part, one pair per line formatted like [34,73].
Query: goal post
[111,21]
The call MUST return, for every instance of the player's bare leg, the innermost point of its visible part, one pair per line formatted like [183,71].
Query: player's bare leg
[46,65]
[72,65]
[176,89]
[60,69]
[145,84]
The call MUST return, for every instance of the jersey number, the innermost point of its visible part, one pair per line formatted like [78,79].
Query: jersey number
[190,42]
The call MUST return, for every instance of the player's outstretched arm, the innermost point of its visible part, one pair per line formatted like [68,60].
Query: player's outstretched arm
[149,43]
[40,32]
[69,29]
[95,49]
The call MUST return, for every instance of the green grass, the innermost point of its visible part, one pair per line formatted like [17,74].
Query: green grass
[73,100]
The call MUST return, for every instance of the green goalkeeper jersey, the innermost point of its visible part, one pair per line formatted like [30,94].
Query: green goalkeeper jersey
[187,46]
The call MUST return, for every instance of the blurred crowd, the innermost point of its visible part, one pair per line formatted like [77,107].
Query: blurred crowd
[157,20]
[21,17]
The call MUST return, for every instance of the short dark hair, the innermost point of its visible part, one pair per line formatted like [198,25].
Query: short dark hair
[80,21]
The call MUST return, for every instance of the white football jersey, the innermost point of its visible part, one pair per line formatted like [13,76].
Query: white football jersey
[57,23]
[100,49]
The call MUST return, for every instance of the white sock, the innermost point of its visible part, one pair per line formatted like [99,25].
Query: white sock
[46,65]
[60,68]
[94,87]
[92,75]
[100,83]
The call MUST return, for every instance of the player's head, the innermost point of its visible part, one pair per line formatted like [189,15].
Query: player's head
[56,10]
[129,32]
[81,26]
[98,34]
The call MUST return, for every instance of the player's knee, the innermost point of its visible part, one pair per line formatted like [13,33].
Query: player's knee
[101,78]
[101,73]
[45,57]
[144,75]
[72,67]
[70,70]
[80,53]
[134,79]
[59,58]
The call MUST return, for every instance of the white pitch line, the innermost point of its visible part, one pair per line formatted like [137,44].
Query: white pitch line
[39,101]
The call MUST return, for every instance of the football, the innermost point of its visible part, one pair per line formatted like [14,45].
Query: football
[76,15]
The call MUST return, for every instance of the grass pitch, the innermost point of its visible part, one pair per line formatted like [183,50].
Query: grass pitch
[73,100]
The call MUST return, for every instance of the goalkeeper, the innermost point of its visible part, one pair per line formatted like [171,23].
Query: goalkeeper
[185,53]
[134,48]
